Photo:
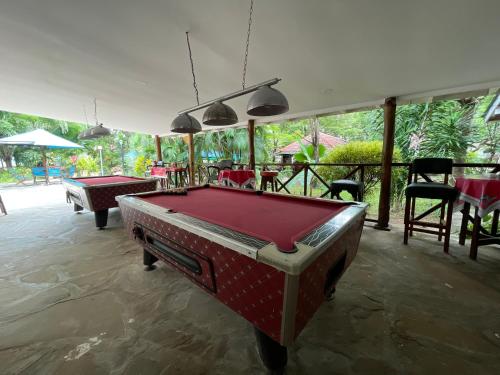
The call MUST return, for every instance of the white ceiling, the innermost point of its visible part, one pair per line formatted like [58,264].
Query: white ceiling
[57,55]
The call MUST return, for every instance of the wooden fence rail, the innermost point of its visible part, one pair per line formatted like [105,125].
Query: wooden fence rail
[357,172]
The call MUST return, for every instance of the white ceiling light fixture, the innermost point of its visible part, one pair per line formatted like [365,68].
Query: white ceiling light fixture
[96,131]
[266,101]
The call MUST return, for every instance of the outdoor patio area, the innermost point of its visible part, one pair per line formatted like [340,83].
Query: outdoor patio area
[75,300]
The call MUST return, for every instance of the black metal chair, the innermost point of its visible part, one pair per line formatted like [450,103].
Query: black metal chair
[214,169]
[355,188]
[430,190]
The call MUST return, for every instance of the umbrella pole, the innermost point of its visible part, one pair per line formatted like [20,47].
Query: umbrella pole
[44,162]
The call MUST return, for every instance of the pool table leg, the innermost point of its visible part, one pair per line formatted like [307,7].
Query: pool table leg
[273,355]
[149,260]
[101,218]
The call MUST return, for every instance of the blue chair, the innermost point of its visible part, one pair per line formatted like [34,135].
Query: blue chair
[71,171]
[18,176]
[51,172]
[37,172]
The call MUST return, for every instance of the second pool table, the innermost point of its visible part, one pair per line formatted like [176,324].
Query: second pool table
[98,194]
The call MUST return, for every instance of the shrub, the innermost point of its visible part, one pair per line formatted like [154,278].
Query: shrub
[358,152]
[141,164]
[15,174]
[5,176]
[87,163]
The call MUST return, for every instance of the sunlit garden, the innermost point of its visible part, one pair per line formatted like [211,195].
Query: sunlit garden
[454,129]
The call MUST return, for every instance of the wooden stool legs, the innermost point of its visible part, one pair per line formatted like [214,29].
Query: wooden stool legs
[447,229]
[407,219]
[269,179]
[443,228]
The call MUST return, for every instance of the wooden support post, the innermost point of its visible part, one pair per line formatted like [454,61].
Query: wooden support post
[305,169]
[251,144]
[45,166]
[387,150]
[314,126]
[191,159]
[158,148]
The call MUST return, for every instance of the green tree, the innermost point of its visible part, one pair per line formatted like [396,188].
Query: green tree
[357,152]
[10,124]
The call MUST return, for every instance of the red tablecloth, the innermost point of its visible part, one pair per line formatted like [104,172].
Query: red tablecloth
[158,171]
[237,178]
[481,191]
[162,171]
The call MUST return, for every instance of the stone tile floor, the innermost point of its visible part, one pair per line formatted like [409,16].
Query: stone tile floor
[74,300]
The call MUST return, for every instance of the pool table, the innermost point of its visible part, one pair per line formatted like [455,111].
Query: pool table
[98,193]
[272,258]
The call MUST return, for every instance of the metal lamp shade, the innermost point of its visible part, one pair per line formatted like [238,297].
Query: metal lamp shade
[98,131]
[219,114]
[185,124]
[267,101]
[84,134]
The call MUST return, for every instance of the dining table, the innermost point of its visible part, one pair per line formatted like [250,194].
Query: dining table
[239,178]
[481,192]
[173,175]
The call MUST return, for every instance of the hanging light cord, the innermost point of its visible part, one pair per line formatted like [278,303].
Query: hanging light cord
[192,69]
[245,61]
[85,113]
[95,111]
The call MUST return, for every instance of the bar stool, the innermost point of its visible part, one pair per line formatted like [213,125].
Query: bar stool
[178,179]
[430,190]
[2,206]
[269,177]
[354,188]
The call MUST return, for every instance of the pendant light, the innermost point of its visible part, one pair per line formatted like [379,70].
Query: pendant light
[184,122]
[84,134]
[267,101]
[96,131]
[220,114]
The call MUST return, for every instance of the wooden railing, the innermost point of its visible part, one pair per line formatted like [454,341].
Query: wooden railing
[288,172]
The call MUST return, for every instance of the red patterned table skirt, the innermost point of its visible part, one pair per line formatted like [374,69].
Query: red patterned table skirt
[163,171]
[237,178]
[482,192]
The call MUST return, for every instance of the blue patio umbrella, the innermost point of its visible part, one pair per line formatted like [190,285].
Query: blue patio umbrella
[39,138]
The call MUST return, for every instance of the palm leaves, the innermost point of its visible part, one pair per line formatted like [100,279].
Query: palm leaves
[439,129]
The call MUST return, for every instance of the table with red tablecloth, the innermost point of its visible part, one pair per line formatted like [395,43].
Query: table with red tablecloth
[483,193]
[168,175]
[240,178]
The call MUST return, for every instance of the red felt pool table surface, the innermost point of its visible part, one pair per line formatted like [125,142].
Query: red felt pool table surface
[107,180]
[275,218]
